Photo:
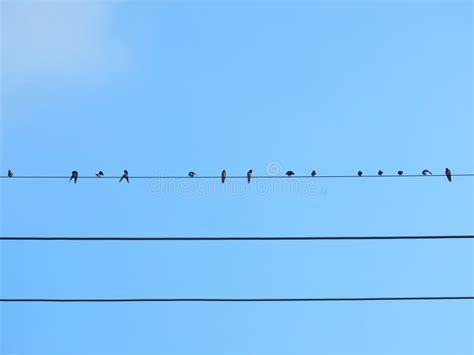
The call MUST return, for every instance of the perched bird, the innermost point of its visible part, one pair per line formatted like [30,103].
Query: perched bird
[74,176]
[290,173]
[426,172]
[448,174]
[400,173]
[313,173]
[99,174]
[223,175]
[380,173]
[124,176]
[10,173]
[249,175]
[359,173]
[191,174]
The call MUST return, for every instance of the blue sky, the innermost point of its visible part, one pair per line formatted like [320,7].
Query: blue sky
[161,88]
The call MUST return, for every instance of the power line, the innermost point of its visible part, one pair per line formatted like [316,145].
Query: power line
[211,239]
[236,177]
[344,299]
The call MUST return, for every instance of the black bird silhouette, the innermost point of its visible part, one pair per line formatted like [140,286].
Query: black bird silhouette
[426,172]
[359,173]
[290,173]
[448,174]
[249,175]
[223,175]
[99,174]
[313,173]
[10,173]
[191,174]
[124,176]
[74,176]
[380,173]
[400,172]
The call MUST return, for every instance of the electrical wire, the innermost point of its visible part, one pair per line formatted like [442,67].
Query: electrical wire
[236,177]
[335,299]
[211,239]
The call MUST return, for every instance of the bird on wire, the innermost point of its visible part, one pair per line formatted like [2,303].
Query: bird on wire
[124,176]
[448,174]
[74,176]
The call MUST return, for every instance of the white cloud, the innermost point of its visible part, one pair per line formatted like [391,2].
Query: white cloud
[58,39]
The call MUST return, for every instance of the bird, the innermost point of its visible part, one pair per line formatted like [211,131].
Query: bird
[359,173]
[191,174]
[448,174]
[400,172]
[426,172]
[223,175]
[99,174]
[249,175]
[74,176]
[290,173]
[380,173]
[124,176]
[10,173]
[313,173]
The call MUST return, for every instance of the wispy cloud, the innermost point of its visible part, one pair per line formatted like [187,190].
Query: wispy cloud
[58,39]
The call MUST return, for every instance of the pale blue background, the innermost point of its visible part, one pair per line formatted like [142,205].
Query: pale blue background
[163,88]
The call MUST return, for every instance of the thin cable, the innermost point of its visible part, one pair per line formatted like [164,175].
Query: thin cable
[212,239]
[237,177]
[345,299]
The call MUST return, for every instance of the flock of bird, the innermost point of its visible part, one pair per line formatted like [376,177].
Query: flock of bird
[191,174]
